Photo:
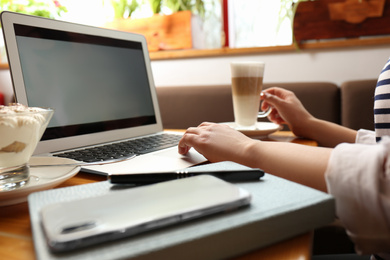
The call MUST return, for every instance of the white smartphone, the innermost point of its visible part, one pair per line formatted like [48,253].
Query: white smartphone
[76,224]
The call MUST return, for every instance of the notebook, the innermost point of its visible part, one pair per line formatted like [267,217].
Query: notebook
[98,81]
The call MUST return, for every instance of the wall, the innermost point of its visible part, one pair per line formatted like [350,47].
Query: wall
[335,65]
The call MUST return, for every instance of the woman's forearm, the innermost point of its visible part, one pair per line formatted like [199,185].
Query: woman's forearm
[295,162]
[329,134]
[299,163]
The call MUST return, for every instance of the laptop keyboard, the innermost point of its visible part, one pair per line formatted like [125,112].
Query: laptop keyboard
[123,149]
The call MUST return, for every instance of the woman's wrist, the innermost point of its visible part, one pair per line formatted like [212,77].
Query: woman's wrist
[304,128]
[252,153]
[313,127]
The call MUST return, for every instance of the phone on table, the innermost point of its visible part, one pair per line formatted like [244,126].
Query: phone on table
[76,224]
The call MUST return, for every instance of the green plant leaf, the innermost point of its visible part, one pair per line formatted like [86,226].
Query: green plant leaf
[119,8]
[133,6]
[156,6]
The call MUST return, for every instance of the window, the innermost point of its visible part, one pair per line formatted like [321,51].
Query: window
[252,23]
[258,23]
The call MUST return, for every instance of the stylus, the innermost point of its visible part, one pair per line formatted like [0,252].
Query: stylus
[149,178]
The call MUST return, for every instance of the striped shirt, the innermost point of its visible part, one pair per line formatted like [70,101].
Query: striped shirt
[382,103]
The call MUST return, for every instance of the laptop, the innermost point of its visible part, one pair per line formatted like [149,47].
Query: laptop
[99,83]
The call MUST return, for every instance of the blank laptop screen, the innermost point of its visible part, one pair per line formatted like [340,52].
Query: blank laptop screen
[93,83]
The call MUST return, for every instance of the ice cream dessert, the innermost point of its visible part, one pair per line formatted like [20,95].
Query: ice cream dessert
[21,128]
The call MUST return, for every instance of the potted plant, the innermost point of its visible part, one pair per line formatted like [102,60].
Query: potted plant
[162,31]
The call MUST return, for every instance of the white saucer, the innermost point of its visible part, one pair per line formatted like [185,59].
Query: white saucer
[41,178]
[262,129]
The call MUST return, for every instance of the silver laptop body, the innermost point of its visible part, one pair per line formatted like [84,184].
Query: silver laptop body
[98,81]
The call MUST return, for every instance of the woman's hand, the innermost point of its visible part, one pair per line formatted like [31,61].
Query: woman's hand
[287,109]
[216,142]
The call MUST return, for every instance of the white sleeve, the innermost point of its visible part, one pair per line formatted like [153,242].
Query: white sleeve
[358,176]
[365,137]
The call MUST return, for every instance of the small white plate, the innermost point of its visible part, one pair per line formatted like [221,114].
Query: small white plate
[41,178]
[262,129]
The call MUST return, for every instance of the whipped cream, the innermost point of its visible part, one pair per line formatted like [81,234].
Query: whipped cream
[21,128]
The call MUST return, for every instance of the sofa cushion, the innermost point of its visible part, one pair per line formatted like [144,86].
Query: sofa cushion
[185,106]
[357,102]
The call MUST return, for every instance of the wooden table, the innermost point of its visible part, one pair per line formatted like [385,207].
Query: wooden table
[16,236]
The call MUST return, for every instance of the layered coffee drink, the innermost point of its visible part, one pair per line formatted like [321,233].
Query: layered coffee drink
[247,84]
[246,99]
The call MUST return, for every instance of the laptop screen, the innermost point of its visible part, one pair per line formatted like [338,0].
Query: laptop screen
[93,83]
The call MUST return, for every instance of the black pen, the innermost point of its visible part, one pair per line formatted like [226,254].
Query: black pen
[149,178]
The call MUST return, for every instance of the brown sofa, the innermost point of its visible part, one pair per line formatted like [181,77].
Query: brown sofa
[357,104]
[350,104]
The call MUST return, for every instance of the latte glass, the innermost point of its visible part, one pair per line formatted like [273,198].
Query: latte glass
[247,84]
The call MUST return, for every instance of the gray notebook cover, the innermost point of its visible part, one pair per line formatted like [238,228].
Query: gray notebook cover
[280,209]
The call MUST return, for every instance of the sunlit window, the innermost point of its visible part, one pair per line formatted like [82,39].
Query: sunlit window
[89,12]
[258,23]
[252,23]
[93,12]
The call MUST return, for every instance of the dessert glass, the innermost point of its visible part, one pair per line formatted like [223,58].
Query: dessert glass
[21,128]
